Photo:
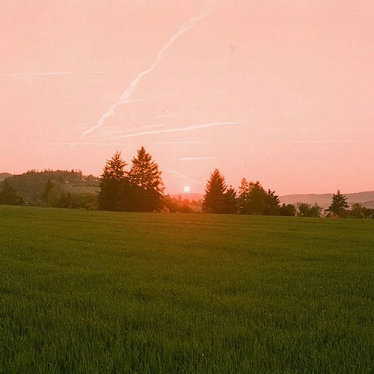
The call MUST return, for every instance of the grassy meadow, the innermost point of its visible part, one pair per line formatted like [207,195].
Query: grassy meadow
[97,292]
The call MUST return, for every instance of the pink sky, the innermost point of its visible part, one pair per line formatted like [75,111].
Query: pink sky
[277,91]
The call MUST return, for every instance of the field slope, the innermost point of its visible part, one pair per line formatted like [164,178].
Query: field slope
[97,292]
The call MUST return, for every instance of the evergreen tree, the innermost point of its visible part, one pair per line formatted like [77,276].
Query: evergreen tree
[8,194]
[339,205]
[215,194]
[252,198]
[114,185]
[231,203]
[145,177]
[243,196]
[272,203]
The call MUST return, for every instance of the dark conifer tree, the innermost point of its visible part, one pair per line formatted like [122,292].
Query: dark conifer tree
[272,204]
[231,203]
[215,194]
[243,197]
[252,198]
[339,205]
[145,177]
[114,185]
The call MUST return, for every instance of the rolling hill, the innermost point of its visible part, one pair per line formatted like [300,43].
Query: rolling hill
[365,198]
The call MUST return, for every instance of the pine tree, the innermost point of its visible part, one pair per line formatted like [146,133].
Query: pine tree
[272,204]
[339,205]
[252,198]
[214,199]
[114,185]
[145,177]
[243,196]
[231,202]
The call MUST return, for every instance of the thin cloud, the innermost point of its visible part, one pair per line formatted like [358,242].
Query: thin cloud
[111,131]
[332,141]
[182,142]
[56,144]
[128,92]
[126,144]
[179,129]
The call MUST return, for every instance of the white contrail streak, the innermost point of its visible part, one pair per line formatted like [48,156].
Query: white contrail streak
[127,93]
[178,129]
[120,144]
[332,141]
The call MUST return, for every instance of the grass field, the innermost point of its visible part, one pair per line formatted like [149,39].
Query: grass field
[97,292]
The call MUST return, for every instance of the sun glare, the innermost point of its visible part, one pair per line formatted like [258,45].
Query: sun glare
[186,189]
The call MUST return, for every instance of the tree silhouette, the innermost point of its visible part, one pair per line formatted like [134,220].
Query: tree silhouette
[215,194]
[339,205]
[307,210]
[231,202]
[272,203]
[287,210]
[145,177]
[243,196]
[252,198]
[114,184]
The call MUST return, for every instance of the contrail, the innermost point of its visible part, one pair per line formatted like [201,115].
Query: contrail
[178,129]
[337,141]
[120,144]
[56,144]
[127,93]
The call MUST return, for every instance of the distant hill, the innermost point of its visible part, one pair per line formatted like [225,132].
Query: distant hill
[30,185]
[4,176]
[324,200]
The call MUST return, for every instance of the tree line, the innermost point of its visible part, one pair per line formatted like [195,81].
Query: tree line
[251,198]
[139,187]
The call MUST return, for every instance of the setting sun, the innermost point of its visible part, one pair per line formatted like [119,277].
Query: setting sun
[186,189]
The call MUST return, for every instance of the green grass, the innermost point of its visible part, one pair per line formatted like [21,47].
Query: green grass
[97,292]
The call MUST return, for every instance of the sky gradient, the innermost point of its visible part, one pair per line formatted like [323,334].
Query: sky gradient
[277,91]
